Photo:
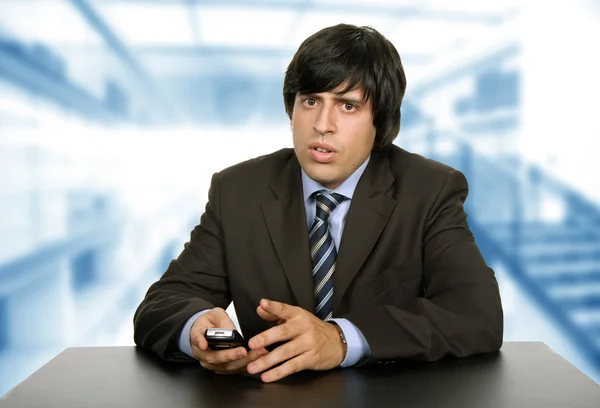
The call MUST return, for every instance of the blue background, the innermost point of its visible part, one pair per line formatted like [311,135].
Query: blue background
[115,113]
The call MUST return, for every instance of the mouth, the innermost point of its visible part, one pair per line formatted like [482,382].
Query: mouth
[322,154]
[321,147]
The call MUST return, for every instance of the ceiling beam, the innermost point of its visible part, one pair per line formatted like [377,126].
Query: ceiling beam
[156,100]
[353,8]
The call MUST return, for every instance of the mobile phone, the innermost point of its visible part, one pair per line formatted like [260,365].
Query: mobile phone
[223,339]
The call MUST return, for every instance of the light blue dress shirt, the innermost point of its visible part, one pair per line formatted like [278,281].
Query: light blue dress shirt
[358,348]
[357,344]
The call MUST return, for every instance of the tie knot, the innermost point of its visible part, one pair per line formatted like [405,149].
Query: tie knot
[326,203]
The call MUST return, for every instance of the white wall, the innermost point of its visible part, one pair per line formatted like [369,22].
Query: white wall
[561,91]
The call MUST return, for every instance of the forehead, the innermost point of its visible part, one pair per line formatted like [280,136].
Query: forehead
[356,93]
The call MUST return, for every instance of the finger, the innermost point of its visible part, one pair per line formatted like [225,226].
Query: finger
[217,368]
[280,354]
[266,315]
[223,356]
[292,366]
[279,309]
[275,334]
[208,366]
[237,366]
[225,372]
[240,365]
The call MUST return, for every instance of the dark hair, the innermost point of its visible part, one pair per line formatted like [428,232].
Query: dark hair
[363,57]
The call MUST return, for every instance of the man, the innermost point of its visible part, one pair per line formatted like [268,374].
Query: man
[344,251]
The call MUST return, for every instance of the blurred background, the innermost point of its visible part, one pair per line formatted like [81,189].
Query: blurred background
[115,113]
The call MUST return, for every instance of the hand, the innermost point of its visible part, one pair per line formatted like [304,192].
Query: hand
[231,361]
[312,343]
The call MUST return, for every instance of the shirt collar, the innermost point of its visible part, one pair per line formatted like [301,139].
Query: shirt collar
[310,186]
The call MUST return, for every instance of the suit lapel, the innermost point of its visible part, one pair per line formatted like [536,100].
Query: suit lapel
[285,217]
[369,211]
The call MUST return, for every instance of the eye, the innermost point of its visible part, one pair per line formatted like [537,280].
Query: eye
[349,107]
[310,101]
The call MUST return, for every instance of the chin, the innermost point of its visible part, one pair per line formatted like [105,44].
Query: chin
[323,179]
[321,173]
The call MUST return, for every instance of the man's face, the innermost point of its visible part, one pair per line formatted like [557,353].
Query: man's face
[333,134]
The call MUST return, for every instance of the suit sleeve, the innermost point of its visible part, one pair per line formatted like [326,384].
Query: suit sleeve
[195,281]
[460,313]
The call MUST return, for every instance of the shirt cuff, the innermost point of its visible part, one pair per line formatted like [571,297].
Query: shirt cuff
[358,348]
[184,337]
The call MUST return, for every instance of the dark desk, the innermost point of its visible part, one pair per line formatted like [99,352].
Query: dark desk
[520,375]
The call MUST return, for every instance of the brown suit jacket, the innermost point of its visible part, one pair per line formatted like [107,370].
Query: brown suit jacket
[408,274]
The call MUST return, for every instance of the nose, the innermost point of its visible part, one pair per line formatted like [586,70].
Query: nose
[325,121]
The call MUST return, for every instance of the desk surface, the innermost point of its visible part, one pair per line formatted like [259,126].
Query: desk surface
[520,375]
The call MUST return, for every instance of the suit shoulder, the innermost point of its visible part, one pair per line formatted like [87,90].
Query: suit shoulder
[258,167]
[423,177]
[407,163]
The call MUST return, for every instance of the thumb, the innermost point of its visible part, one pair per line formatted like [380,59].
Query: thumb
[197,333]
[223,321]
[202,343]
[214,319]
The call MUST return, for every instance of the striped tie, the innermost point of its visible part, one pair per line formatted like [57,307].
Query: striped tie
[323,253]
